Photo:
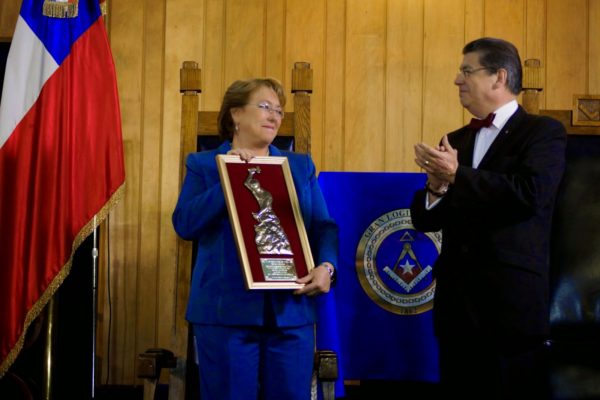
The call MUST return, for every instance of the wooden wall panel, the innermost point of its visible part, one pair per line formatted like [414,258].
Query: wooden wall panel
[128,22]
[506,19]
[474,19]
[404,84]
[535,38]
[150,172]
[9,12]
[185,33]
[212,61]
[178,48]
[305,29]
[567,43]
[334,76]
[442,56]
[593,37]
[365,86]
[244,50]
[275,39]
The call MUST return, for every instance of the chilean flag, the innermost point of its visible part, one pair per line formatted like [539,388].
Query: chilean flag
[61,154]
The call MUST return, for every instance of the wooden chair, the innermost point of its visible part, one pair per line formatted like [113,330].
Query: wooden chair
[198,131]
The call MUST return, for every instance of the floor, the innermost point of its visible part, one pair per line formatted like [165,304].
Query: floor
[364,391]
[567,388]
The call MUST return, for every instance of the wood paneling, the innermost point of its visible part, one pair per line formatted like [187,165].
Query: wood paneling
[150,173]
[332,87]
[535,38]
[593,53]
[383,80]
[244,49]
[365,66]
[505,19]
[275,38]
[9,12]
[441,58]
[404,84]
[307,16]
[567,47]
[176,34]
[128,21]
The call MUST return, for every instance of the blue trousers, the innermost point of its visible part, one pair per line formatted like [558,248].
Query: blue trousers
[252,363]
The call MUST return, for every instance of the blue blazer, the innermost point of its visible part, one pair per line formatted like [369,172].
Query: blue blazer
[218,294]
[492,273]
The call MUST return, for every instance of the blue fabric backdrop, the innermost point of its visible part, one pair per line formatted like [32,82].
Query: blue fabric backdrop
[377,318]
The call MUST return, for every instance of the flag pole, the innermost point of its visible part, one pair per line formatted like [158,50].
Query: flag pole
[51,311]
[94,306]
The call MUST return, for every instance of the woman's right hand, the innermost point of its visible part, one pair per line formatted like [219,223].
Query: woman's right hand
[245,154]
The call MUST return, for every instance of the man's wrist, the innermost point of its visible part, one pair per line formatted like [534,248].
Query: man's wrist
[438,191]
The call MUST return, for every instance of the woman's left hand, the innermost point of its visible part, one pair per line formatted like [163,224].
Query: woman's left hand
[316,282]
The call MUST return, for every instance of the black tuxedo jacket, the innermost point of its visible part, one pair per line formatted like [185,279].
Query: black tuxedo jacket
[492,272]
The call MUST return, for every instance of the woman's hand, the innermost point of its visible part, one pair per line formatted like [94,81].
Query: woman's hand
[316,282]
[245,154]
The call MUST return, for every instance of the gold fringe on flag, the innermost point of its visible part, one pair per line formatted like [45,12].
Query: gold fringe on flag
[60,8]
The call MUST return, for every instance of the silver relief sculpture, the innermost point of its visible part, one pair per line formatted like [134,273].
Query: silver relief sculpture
[270,237]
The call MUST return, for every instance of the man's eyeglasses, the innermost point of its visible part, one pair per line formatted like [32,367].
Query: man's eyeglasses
[269,109]
[466,72]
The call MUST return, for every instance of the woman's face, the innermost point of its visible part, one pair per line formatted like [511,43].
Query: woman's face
[258,121]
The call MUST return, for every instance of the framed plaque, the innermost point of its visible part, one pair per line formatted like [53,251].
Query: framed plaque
[586,110]
[266,221]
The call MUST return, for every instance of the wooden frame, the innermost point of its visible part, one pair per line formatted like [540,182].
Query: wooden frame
[266,221]
[586,110]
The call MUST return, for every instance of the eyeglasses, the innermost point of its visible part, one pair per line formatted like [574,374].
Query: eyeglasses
[466,72]
[269,109]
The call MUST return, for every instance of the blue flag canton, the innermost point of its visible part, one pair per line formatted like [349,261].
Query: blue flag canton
[59,34]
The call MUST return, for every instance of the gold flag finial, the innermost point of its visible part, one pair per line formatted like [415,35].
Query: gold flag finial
[60,8]
[103,7]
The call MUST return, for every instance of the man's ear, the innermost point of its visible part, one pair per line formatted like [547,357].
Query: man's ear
[501,78]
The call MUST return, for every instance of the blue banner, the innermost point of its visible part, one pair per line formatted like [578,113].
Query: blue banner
[378,318]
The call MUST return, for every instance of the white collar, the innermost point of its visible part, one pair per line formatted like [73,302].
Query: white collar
[504,113]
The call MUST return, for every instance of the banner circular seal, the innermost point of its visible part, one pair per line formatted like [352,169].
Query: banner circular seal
[394,263]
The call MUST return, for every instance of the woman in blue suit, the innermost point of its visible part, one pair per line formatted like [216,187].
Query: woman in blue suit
[251,344]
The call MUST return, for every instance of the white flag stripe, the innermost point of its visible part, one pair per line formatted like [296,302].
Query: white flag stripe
[28,67]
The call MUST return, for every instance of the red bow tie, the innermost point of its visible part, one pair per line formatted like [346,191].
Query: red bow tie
[477,124]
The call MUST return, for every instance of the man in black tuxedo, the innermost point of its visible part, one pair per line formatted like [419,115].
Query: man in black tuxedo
[491,189]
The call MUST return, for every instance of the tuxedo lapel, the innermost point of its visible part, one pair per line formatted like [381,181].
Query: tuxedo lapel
[466,149]
[511,125]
